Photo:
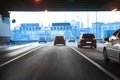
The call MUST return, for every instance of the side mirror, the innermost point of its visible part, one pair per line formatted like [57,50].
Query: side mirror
[106,39]
[112,38]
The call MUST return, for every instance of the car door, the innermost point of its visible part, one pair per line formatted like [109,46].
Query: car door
[113,49]
[116,46]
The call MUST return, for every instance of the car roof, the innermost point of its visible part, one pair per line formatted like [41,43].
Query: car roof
[87,34]
[59,36]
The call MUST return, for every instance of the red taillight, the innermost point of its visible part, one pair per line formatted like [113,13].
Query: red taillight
[82,39]
[94,38]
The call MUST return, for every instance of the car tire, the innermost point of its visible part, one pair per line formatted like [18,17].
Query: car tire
[95,46]
[119,57]
[106,59]
[80,46]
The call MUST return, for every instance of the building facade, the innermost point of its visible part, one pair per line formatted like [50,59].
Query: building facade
[26,31]
[103,30]
[64,29]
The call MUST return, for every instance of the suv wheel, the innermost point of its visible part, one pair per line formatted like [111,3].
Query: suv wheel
[105,56]
[91,46]
[95,46]
[80,46]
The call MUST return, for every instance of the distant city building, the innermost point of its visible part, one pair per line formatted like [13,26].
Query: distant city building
[97,29]
[61,29]
[103,30]
[110,28]
[27,31]
[30,26]
[32,31]
[61,26]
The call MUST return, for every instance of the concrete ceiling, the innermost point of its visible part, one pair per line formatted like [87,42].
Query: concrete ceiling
[57,5]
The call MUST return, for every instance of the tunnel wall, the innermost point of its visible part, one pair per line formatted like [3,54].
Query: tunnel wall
[4,30]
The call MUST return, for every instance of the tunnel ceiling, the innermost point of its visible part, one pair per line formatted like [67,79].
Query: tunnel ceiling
[57,5]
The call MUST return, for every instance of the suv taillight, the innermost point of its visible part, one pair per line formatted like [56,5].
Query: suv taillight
[93,38]
[82,39]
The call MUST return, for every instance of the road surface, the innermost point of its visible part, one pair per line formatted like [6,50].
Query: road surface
[51,63]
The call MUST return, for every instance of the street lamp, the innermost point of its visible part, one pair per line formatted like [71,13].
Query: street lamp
[46,10]
[80,21]
[88,21]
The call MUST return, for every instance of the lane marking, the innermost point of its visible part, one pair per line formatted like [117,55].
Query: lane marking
[7,62]
[97,65]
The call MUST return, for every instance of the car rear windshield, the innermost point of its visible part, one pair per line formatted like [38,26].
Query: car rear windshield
[88,36]
[59,37]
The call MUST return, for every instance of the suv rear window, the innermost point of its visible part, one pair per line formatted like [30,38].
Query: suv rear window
[59,37]
[88,36]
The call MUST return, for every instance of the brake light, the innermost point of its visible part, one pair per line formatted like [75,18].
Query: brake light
[82,39]
[94,38]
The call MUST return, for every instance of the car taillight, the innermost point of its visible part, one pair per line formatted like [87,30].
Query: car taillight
[82,39]
[93,38]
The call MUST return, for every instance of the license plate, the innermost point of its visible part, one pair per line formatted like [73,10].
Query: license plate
[88,42]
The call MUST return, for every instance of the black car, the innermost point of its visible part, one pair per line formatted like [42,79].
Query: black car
[87,39]
[59,40]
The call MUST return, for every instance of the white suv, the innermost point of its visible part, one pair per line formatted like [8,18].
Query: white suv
[111,50]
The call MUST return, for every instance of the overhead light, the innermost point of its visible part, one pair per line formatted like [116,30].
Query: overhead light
[114,10]
[37,1]
[46,10]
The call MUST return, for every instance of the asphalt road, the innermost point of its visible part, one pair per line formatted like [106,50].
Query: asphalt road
[52,63]
[97,56]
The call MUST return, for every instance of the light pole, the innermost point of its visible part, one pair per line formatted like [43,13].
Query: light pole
[80,21]
[88,21]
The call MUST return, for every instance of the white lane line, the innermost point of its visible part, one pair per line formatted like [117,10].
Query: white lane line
[97,65]
[19,57]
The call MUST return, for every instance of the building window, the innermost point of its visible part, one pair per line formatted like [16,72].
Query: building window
[67,27]
[51,28]
[57,28]
[33,28]
[26,28]
[54,28]
[61,28]
[23,28]
[30,28]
